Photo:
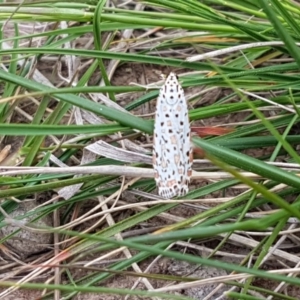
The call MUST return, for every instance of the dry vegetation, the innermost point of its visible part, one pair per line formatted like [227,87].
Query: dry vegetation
[80,215]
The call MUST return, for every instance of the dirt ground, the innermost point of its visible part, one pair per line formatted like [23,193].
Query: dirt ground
[125,75]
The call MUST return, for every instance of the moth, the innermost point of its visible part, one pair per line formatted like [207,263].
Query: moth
[172,149]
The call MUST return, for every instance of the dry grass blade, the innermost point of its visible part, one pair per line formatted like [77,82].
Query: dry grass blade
[104,149]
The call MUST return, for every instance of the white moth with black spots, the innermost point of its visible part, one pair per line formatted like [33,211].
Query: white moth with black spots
[172,151]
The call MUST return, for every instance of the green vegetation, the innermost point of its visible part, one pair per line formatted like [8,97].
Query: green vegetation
[243,53]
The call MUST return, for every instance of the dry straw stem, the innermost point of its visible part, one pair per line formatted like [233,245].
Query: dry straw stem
[221,279]
[234,49]
[110,170]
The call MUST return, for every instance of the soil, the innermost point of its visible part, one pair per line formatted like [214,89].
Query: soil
[125,75]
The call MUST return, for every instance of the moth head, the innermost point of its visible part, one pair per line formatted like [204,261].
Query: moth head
[171,91]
